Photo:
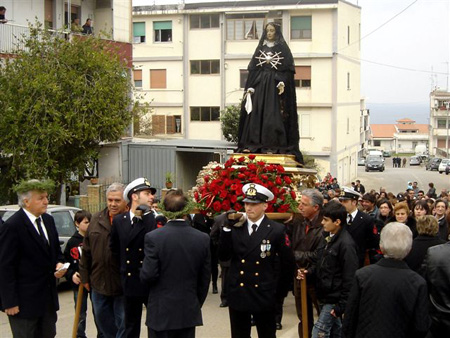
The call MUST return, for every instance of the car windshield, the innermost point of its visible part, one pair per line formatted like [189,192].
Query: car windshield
[6,214]
[373,159]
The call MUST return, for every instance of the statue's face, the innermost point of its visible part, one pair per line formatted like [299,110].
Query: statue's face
[270,32]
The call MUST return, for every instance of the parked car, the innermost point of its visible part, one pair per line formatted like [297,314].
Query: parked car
[361,161]
[443,165]
[433,164]
[386,153]
[447,168]
[374,163]
[415,160]
[63,216]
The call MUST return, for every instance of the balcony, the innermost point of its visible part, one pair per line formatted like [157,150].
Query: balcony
[11,40]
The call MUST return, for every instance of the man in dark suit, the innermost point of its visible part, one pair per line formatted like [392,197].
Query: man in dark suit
[30,261]
[360,225]
[261,267]
[177,270]
[127,246]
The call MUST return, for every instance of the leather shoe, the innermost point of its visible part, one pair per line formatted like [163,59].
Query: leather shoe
[278,326]
[214,289]
[224,304]
[252,322]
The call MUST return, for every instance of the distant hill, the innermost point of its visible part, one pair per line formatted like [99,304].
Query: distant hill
[390,112]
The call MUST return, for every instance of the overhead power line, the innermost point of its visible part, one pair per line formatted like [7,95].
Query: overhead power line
[379,27]
[393,66]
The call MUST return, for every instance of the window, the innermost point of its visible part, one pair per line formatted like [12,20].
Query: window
[377,143]
[166,124]
[204,21]
[64,223]
[138,32]
[245,26]
[163,31]
[441,124]
[301,27]
[205,67]
[302,77]
[137,75]
[158,78]
[243,75]
[205,113]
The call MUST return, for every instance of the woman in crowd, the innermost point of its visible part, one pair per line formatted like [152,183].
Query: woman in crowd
[402,215]
[386,213]
[421,208]
[428,229]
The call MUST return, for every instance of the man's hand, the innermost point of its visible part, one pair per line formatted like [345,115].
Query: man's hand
[59,273]
[12,311]
[333,313]
[301,274]
[76,278]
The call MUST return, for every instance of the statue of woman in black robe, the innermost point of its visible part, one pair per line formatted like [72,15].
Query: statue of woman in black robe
[268,123]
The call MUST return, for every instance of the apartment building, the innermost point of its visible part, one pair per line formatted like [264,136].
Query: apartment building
[190,62]
[439,123]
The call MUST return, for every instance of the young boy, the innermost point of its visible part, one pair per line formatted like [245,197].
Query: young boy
[335,266]
[72,254]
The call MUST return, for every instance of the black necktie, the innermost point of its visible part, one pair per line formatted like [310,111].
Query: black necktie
[41,231]
[350,219]
[254,227]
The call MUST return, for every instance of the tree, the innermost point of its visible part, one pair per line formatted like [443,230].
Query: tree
[59,100]
[230,122]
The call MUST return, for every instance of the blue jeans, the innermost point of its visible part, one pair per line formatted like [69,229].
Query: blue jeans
[110,314]
[327,325]
[81,331]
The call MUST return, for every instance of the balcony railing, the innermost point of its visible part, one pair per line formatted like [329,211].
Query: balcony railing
[11,37]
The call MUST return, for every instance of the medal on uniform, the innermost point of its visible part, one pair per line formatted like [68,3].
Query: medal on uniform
[263,254]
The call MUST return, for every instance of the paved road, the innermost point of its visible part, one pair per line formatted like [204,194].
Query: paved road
[215,319]
[395,180]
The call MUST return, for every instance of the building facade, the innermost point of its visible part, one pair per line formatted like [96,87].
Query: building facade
[402,137]
[440,123]
[190,62]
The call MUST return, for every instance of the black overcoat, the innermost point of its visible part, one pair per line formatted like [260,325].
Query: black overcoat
[177,270]
[127,246]
[253,280]
[27,265]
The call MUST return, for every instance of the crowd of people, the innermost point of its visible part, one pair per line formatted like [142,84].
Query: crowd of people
[364,264]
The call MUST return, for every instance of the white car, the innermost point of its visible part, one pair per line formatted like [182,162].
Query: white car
[442,165]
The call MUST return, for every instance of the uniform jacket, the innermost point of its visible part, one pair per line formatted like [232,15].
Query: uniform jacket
[72,254]
[127,246]
[304,244]
[177,270]
[437,274]
[97,265]
[27,265]
[364,233]
[387,299]
[261,265]
[335,269]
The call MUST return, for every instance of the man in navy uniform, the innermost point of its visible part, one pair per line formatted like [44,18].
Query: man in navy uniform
[360,225]
[127,246]
[30,261]
[262,265]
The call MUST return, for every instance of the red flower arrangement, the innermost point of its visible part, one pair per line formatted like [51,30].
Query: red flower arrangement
[219,187]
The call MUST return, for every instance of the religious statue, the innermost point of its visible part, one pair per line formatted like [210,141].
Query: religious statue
[269,123]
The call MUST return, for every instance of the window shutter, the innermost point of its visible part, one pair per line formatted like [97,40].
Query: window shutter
[138,28]
[170,122]
[158,78]
[160,25]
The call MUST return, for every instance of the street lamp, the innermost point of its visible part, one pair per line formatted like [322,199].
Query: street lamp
[448,127]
